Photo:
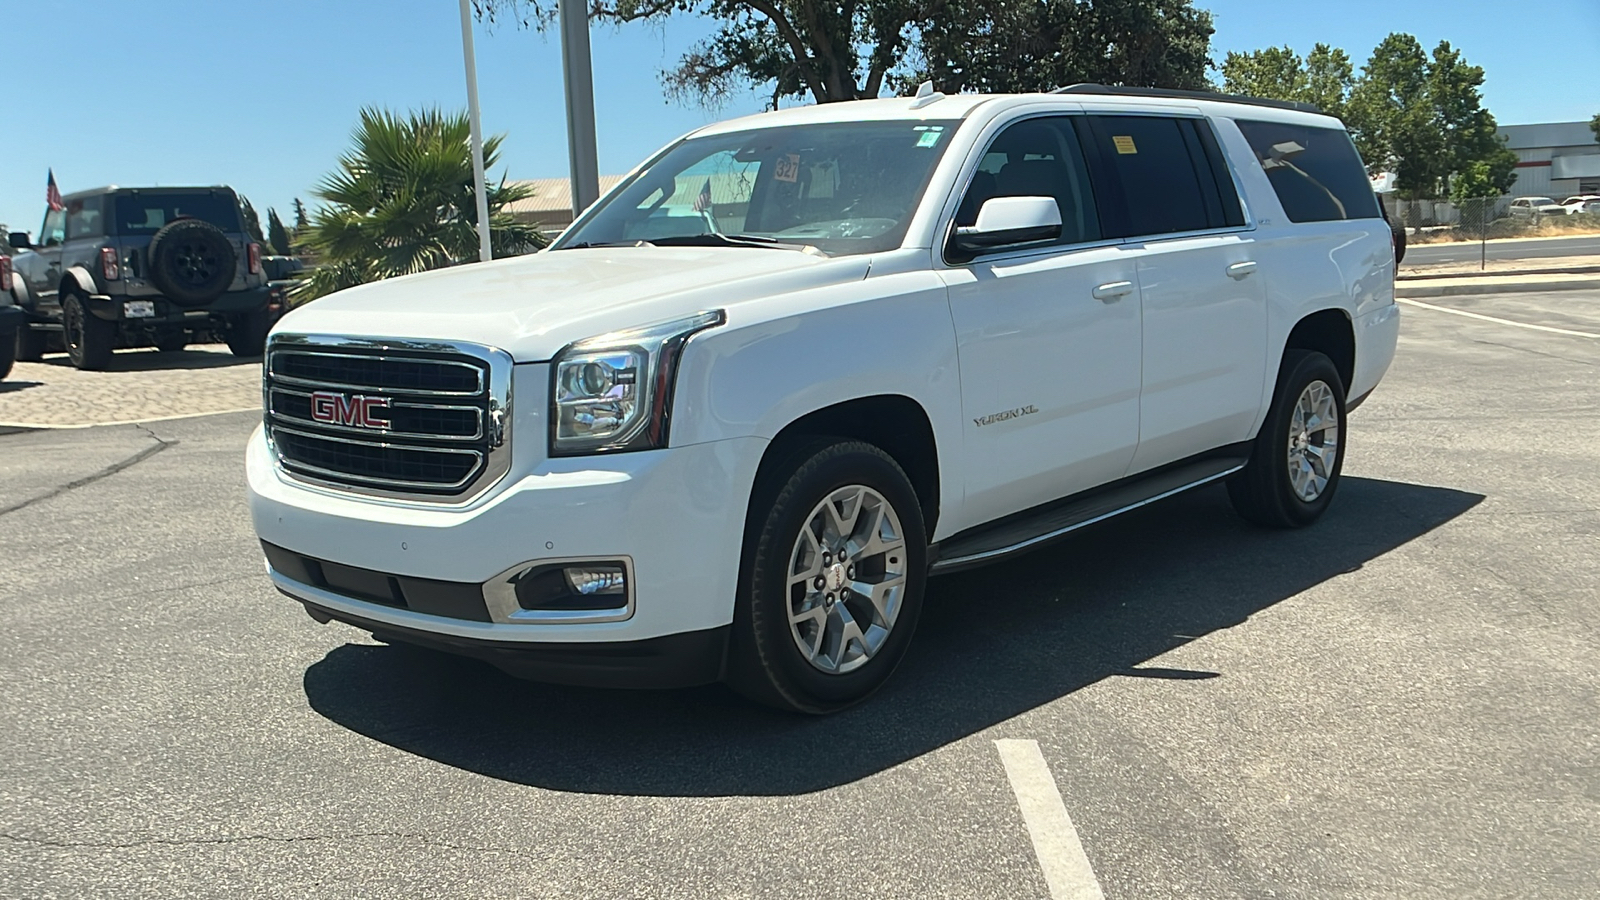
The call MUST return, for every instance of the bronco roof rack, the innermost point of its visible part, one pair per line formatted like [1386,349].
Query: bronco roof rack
[1186,95]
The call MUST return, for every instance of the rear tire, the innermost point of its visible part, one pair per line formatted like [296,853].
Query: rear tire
[88,337]
[831,582]
[1298,456]
[247,334]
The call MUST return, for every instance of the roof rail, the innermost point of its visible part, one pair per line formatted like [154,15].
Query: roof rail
[1186,95]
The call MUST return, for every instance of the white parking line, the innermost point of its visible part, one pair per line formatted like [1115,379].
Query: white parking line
[1055,840]
[1473,315]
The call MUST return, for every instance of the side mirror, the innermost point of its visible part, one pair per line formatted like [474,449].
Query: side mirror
[19,240]
[1009,222]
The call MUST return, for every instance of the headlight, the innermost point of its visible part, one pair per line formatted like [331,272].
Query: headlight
[614,392]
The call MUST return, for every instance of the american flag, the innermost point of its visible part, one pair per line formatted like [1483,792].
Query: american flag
[52,194]
[702,203]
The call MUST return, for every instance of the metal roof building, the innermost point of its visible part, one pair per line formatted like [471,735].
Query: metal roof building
[1556,159]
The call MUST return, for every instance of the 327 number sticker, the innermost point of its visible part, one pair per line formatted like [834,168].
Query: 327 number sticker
[787,168]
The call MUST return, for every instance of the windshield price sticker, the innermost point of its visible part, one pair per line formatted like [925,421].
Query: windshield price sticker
[1124,144]
[787,168]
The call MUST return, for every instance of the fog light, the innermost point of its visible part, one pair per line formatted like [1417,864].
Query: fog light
[597,580]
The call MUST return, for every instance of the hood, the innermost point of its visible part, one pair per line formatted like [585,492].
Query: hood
[532,306]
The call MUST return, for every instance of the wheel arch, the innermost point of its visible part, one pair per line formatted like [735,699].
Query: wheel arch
[1329,332]
[77,278]
[895,423]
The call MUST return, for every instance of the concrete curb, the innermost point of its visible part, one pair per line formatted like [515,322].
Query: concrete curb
[1567,270]
[1479,286]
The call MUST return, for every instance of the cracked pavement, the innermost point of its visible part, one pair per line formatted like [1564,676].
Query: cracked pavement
[1401,701]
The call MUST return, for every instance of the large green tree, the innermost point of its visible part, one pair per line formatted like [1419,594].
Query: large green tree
[277,235]
[1594,126]
[856,49]
[1001,46]
[1323,78]
[402,201]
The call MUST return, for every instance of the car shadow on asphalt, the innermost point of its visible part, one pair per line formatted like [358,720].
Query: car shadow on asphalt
[993,643]
[153,361]
[12,387]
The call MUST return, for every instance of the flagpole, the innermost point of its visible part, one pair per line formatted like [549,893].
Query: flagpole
[479,186]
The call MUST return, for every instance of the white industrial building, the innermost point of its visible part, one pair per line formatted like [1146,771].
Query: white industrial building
[1557,159]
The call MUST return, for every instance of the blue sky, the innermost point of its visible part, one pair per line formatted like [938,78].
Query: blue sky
[263,95]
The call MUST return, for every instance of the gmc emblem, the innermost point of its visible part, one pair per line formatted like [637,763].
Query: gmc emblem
[353,409]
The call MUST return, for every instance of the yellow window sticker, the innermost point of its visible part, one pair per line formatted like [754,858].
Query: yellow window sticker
[1124,143]
[787,168]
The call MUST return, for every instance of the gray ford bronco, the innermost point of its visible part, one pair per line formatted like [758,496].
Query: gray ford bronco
[135,267]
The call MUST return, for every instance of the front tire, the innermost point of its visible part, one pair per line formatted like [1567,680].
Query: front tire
[88,337]
[1298,456]
[832,580]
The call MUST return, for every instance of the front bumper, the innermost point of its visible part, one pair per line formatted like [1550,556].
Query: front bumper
[676,514]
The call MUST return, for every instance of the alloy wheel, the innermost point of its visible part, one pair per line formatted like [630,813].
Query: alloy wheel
[1313,441]
[847,579]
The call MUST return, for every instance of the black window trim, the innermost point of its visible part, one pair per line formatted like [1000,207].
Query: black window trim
[1114,182]
[969,171]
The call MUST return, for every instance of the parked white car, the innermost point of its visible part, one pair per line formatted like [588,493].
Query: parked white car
[1535,208]
[794,364]
[1582,204]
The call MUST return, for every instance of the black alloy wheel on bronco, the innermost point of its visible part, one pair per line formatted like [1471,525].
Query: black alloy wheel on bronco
[831,581]
[88,337]
[1298,456]
[191,261]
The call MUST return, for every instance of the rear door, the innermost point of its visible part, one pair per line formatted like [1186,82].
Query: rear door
[1204,325]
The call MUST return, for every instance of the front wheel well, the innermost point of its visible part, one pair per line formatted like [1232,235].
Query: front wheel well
[894,423]
[1327,332]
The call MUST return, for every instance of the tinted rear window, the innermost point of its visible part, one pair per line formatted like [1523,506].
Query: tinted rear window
[1315,171]
[147,211]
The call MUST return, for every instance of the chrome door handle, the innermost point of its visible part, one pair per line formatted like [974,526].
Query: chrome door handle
[1241,270]
[1113,291]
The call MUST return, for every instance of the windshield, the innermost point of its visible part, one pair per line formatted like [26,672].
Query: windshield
[146,211]
[847,187]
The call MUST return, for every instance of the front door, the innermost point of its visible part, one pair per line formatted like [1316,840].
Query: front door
[42,269]
[1048,336]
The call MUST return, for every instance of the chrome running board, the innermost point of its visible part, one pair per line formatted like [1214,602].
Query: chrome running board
[1033,528]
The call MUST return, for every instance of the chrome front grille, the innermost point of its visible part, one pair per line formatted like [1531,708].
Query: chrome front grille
[413,420]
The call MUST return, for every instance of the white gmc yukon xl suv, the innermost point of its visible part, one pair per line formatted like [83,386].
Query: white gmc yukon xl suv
[731,421]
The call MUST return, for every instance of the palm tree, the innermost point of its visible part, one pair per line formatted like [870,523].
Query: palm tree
[401,201]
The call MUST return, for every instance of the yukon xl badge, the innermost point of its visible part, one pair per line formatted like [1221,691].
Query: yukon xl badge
[352,410]
[1017,413]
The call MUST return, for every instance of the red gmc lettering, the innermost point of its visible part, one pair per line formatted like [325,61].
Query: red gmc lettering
[341,409]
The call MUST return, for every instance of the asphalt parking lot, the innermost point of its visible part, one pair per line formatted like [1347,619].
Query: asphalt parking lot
[1402,701]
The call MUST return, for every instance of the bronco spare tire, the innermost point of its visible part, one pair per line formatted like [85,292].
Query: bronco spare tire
[191,261]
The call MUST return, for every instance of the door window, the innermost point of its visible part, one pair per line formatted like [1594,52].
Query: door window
[1168,172]
[54,229]
[84,219]
[1316,172]
[1037,158]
